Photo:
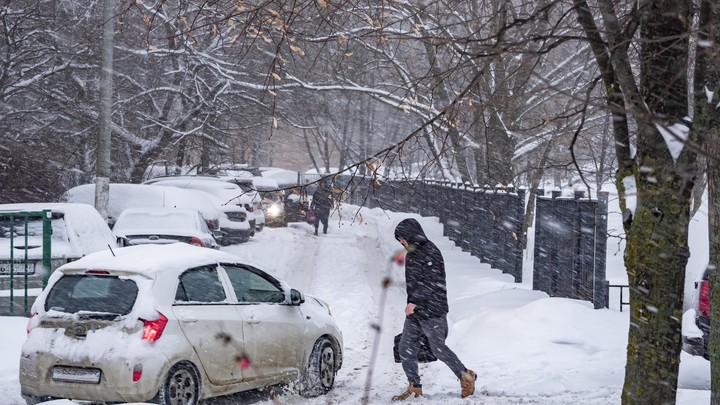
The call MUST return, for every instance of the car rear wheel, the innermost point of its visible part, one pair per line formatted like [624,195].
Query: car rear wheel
[320,374]
[34,400]
[181,386]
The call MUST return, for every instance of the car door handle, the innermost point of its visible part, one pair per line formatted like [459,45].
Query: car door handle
[253,321]
[183,320]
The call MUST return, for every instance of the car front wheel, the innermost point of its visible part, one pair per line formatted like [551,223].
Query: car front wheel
[320,374]
[181,386]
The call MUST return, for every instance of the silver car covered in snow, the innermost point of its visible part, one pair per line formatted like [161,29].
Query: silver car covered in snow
[173,324]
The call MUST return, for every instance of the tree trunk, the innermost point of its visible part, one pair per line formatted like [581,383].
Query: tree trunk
[657,247]
[655,257]
[714,259]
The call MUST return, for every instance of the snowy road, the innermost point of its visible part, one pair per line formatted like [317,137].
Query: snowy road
[526,348]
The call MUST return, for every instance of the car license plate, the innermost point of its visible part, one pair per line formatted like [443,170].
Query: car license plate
[76,374]
[18,267]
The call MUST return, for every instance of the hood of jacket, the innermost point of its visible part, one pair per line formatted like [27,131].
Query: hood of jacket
[410,230]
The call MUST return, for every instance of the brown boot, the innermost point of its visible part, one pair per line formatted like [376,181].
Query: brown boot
[412,389]
[467,383]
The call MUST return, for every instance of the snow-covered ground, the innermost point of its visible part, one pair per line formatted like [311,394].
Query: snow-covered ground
[525,346]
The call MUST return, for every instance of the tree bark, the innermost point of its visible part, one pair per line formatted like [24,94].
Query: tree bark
[657,248]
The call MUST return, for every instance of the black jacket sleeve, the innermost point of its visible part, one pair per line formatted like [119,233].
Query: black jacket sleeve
[425,281]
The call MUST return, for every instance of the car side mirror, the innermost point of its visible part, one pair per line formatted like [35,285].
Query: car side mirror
[296,297]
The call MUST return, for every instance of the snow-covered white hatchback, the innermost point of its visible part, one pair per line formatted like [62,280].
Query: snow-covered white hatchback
[173,324]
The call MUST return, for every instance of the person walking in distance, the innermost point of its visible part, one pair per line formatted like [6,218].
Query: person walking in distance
[321,203]
[426,310]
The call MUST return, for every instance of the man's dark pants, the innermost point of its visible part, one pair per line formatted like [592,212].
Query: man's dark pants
[436,330]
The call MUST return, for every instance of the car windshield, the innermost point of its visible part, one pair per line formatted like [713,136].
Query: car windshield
[246,186]
[92,293]
[156,221]
[271,195]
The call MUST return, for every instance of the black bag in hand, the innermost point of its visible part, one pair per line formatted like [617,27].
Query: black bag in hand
[425,355]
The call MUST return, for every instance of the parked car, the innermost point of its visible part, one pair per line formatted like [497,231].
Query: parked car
[699,345]
[234,169]
[242,194]
[254,199]
[123,196]
[138,226]
[77,230]
[173,324]
[231,220]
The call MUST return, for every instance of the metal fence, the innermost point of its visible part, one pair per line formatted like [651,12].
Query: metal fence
[570,245]
[18,271]
[486,223]
[570,233]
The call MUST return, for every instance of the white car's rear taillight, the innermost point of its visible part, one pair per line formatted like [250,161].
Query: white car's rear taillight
[32,322]
[704,298]
[196,242]
[152,330]
[137,372]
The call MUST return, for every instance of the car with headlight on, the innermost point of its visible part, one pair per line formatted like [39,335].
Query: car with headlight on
[272,201]
[173,324]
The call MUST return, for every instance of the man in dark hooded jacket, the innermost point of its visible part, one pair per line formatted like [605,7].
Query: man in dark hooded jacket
[321,203]
[426,310]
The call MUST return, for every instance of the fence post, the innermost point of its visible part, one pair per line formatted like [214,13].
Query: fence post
[600,249]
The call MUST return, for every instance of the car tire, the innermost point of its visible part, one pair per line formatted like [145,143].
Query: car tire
[319,376]
[180,387]
[34,400]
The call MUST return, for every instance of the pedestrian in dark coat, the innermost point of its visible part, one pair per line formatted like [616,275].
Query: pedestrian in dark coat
[321,203]
[426,309]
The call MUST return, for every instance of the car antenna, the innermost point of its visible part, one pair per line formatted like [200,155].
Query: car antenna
[111,251]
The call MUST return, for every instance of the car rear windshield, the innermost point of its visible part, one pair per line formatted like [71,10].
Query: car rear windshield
[156,221]
[92,293]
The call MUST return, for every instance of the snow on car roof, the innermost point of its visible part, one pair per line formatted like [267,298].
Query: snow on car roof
[149,259]
[224,193]
[199,182]
[63,208]
[265,183]
[175,221]
[281,176]
[124,196]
